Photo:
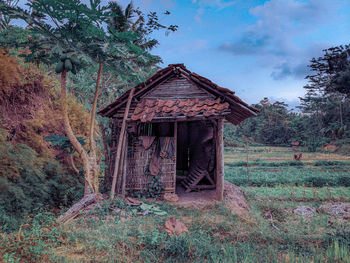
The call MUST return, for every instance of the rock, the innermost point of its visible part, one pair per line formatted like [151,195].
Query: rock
[133,202]
[305,211]
[171,197]
[336,209]
[175,226]
[235,200]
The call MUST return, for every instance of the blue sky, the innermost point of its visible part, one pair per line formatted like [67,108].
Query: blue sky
[253,47]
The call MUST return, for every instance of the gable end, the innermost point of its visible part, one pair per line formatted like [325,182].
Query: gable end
[178,87]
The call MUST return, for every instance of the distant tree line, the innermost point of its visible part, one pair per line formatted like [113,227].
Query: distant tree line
[324,114]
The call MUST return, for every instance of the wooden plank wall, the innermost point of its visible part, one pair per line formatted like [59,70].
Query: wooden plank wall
[174,88]
[178,88]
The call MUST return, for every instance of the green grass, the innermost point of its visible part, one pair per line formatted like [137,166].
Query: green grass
[304,194]
[215,235]
[271,232]
[288,175]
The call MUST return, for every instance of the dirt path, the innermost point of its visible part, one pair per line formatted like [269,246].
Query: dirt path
[234,199]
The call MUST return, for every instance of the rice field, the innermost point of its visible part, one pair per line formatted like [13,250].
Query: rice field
[276,167]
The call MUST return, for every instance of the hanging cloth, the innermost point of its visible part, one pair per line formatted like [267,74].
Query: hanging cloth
[167,147]
[147,141]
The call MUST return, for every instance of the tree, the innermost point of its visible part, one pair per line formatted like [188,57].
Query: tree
[5,19]
[328,92]
[73,29]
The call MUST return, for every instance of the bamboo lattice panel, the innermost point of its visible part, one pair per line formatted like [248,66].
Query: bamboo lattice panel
[137,163]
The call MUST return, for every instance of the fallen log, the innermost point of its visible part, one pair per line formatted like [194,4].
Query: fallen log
[76,208]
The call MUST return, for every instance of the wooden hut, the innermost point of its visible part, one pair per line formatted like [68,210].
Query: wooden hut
[174,130]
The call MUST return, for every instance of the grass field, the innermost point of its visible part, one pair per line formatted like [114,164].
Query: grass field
[268,166]
[272,232]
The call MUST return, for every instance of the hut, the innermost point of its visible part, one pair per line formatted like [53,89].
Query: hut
[171,127]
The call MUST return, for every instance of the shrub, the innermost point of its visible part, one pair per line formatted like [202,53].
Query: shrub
[314,143]
[329,163]
[31,183]
[344,181]
[318,181]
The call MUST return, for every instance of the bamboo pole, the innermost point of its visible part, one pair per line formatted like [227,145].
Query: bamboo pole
[120,171]
[125,162]
[120,142]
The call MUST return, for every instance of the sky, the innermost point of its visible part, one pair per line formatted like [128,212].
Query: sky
[256,48]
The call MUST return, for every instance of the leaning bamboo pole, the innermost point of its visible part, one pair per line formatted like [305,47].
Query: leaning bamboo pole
[120,143]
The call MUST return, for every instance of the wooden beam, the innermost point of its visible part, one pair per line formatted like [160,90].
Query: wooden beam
[120,143]
[220,160]
[185,118]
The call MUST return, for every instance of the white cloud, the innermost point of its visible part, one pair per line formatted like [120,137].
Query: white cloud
[280,24]
[210,4]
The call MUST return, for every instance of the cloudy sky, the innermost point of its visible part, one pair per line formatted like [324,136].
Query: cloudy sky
[256,48]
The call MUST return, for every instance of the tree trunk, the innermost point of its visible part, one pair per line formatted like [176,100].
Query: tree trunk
[107,154]
[74,141]
[93,110]
[94,166]
[71,157]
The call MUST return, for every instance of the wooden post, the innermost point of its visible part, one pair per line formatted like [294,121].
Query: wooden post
[220,161]
[175,145]
[120,142]
[121,166]
[125,163]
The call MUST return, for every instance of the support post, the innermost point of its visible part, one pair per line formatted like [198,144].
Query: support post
[121,167]
[175,144]
[120,143]
[125,162]
[220,160]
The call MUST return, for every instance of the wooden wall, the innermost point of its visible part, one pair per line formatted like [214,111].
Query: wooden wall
[177,88]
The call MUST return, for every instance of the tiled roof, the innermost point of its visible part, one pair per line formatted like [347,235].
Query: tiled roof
[148,109]
[239,109]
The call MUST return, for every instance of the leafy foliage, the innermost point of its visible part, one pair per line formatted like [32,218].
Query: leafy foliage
[10,74]
[274,125]
[63,142]
[30,108]
[30,183]
[325,109]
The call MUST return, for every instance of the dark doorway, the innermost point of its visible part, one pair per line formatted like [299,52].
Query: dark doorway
[195,158]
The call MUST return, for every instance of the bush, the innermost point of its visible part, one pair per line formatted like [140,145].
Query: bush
[344,181]
[329,163]
[30,183]
[318,181]
[314,143]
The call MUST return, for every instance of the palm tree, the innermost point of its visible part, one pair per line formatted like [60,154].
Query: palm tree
[132,20]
